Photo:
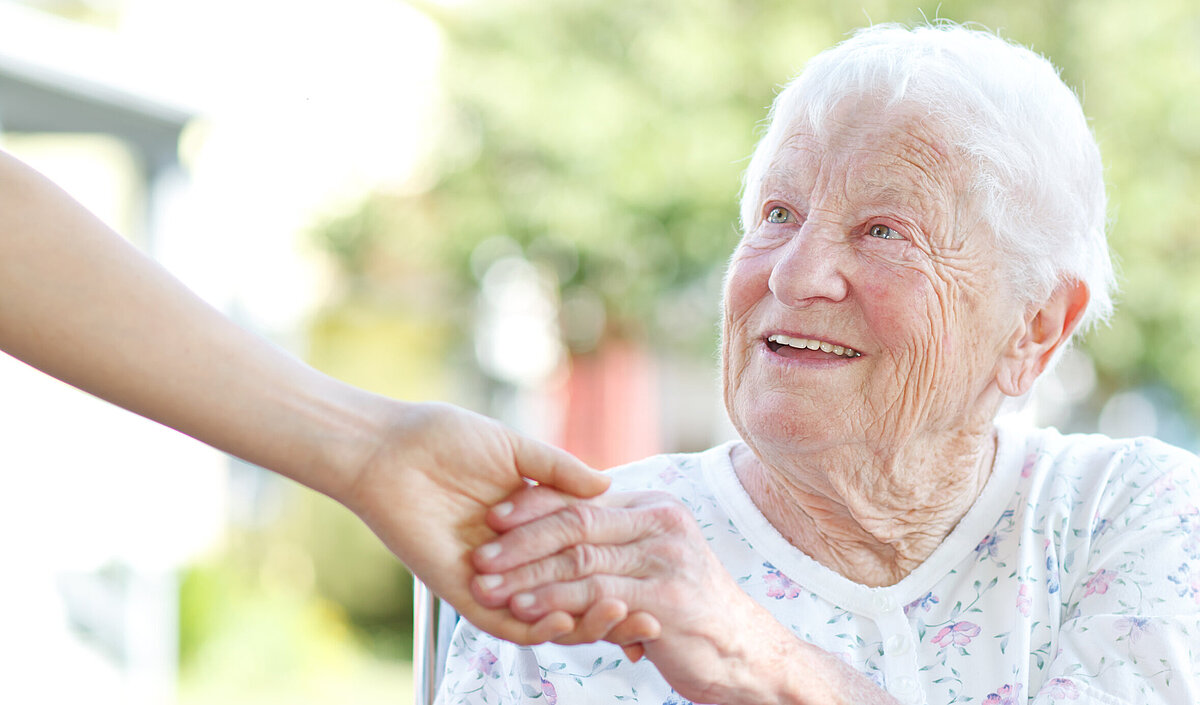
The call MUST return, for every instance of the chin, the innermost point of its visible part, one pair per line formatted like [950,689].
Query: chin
[792,425]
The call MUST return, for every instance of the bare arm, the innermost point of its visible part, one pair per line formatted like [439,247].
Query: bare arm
[79,303]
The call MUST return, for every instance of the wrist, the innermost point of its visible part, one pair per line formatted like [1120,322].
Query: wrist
[337,432]
[770,665]
[785,670]
[359,435]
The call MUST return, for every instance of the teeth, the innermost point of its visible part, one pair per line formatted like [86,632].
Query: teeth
[804,343]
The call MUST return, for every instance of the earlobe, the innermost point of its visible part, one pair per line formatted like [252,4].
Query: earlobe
[1045,329]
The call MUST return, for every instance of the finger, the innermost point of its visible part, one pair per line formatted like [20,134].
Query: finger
[600,619]
[526,505]
[550,466]
[504,625]
[553,626]
[634,652]
[577,523]
[638,627]
[573,598]
[575,563]
[536,501]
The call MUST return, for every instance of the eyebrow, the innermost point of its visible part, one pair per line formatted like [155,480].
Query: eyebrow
[780,173]
[876,191]
[784,177]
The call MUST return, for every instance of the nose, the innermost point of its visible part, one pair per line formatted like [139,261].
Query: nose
[809,268]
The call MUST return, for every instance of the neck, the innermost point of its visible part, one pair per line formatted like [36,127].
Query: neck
[872,517]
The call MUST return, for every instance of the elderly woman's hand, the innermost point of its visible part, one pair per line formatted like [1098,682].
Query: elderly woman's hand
[644,550]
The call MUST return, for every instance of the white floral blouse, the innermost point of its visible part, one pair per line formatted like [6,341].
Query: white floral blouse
[1075,578]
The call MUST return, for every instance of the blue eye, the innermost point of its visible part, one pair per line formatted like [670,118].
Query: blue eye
[883,232]
[778,215]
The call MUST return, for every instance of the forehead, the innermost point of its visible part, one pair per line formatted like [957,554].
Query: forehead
[892,154]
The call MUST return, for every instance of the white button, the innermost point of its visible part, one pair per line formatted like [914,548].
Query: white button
[896,644]
[906,689]
[884,603]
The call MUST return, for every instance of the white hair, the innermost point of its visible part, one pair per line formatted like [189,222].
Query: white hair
[1036,170]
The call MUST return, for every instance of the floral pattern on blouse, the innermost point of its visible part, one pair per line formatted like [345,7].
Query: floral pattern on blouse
[1075,578]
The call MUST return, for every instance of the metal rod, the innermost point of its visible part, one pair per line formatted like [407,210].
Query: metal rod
[424,643]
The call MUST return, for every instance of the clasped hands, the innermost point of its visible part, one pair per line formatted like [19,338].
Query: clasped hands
[631,568]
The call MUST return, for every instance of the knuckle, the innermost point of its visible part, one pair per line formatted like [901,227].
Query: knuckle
[672,553]
[534,574]
[672,516]
[601,588]
[584,559]
[582,516]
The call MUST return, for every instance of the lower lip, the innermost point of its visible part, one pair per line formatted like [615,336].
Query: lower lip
[786,354]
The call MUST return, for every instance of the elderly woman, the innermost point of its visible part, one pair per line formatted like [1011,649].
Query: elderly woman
[923,233]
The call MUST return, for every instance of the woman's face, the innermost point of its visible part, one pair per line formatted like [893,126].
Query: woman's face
[865,242]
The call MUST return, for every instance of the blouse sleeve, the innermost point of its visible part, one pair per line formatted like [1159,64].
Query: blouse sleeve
[1131,616]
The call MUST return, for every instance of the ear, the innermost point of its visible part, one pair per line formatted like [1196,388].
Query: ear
[1042,332]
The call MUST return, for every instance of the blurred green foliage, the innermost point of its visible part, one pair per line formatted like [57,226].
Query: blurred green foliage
[311,599]
[607,140]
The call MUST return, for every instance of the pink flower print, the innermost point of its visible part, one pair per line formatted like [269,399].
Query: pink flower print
[1189,524]
[1133,627]
[550,692]
[1063,688]
[958,634]
[1004,695]
[483,661]
[779,585]
[1098,583]
[926,603]
[1027,468]
[987,547]
[1023,601]
[669,475]
[1164,484]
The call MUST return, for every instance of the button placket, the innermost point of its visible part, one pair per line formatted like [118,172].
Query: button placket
[907,689]
[900,657]
[897,645]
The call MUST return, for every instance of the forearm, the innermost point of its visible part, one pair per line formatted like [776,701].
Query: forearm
[646,550]
[81,304]
[763,662]
[820,678]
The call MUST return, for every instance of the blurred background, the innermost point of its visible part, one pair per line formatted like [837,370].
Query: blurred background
[523,207]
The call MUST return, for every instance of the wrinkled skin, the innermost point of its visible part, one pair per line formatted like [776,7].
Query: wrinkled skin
[646,550]
[865,239]
[880,251]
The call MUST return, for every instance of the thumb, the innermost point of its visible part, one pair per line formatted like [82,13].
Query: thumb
[556,468]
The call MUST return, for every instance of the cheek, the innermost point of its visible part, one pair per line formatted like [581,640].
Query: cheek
[746,282]
[907,314]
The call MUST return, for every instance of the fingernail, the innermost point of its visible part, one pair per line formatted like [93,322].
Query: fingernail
[503,509]
[491,582]
[523,601]
[489,551]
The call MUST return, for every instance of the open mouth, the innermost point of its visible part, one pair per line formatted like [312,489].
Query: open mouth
[784,344]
